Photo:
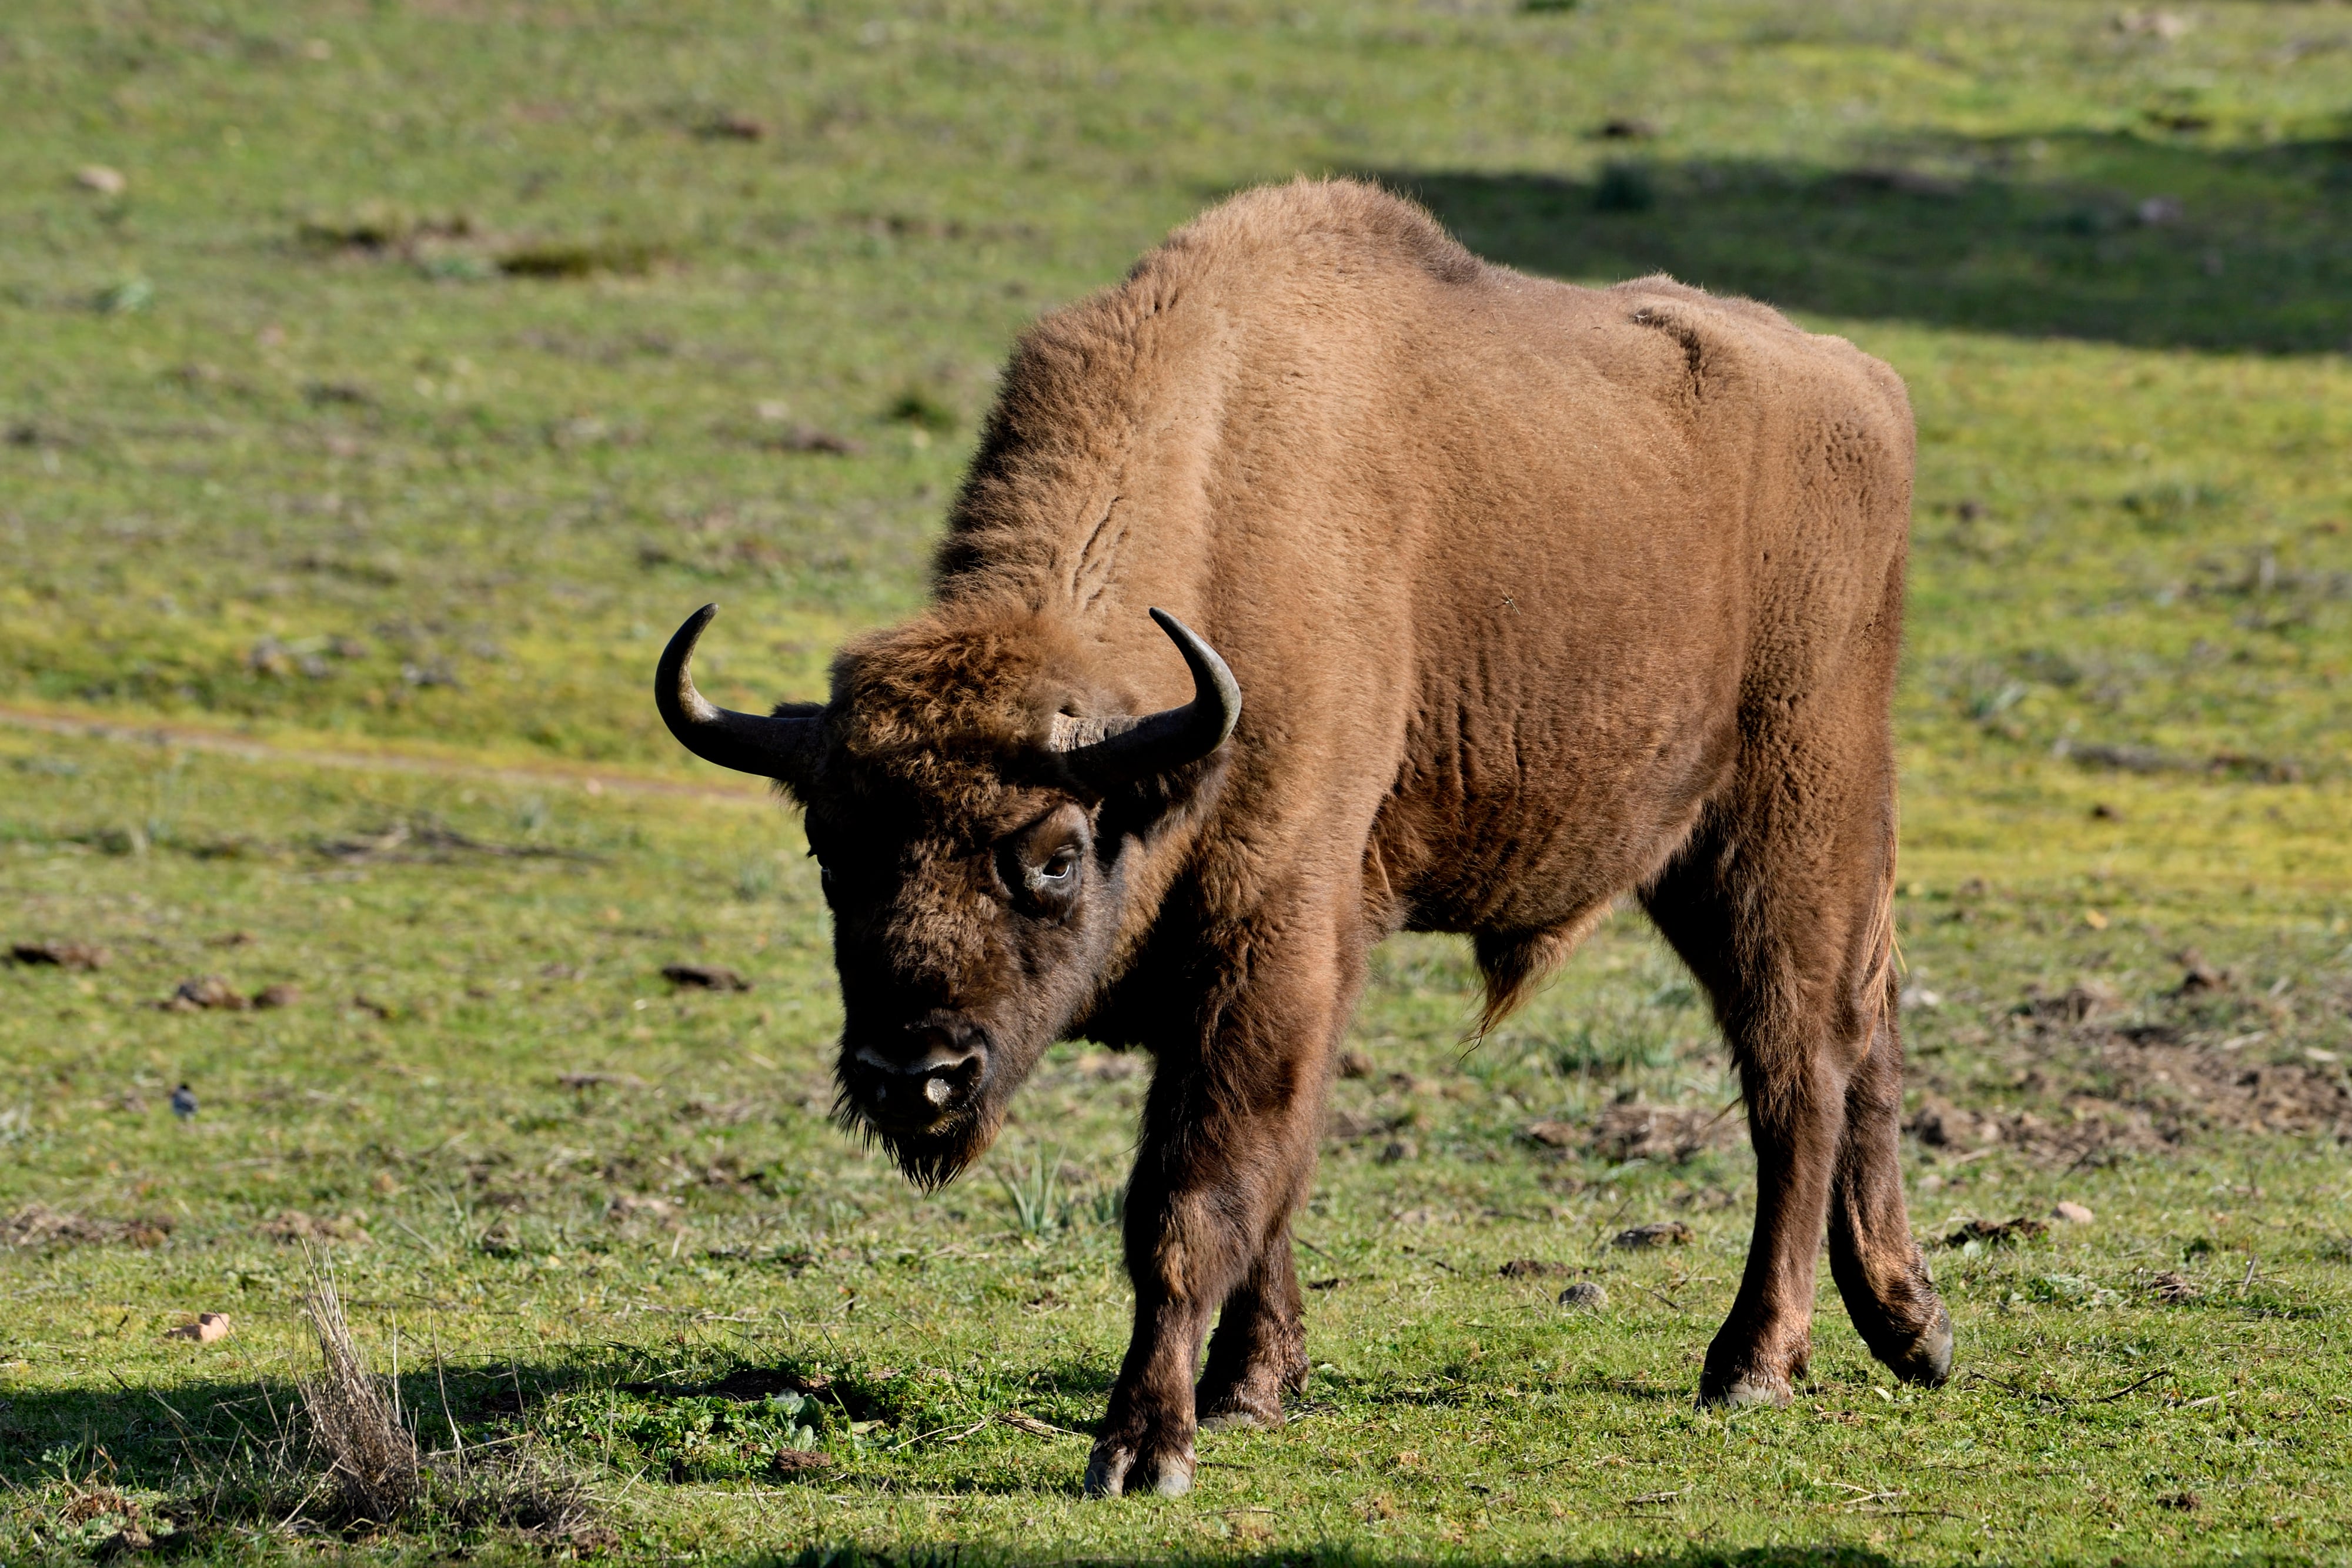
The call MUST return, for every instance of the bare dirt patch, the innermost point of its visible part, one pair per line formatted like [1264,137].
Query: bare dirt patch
[2135,1088]
[43,1227]
[294,1226]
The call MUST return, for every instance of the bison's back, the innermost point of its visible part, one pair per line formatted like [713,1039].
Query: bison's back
[1630,517]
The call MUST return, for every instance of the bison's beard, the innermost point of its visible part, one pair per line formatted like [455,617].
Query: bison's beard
[935,1156]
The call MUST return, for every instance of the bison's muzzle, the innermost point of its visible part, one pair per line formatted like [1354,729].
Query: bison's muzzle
[932,1073]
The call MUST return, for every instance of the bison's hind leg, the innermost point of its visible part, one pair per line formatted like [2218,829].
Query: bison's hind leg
[1782,905]
[1259,1351]
[1880,1270]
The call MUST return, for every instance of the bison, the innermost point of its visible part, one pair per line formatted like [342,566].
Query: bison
[1319,581]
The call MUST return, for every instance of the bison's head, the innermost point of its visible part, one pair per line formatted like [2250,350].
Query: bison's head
[975,813]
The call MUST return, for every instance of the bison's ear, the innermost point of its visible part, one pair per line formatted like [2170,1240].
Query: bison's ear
[782,746]
[1129,750]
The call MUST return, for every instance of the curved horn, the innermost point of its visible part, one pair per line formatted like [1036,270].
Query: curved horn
[780,748]
[1125,750]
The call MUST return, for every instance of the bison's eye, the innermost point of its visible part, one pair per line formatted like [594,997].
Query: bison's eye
[1049,886]
[1044,865]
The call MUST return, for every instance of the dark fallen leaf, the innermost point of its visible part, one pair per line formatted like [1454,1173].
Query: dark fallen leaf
[733,128]
[704,977]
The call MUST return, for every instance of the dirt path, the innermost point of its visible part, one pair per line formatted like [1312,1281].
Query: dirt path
[245,748]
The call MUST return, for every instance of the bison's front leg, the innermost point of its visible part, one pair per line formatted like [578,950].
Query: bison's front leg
[1228,1147]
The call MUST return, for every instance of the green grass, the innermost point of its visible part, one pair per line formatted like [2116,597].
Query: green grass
[437,359]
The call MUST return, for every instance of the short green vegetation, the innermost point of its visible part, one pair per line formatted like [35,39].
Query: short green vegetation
[384,383]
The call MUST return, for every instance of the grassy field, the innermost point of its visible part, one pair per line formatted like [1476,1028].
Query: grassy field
[385,380]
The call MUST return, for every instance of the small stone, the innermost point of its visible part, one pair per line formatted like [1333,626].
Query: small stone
[1355,1065]
[1553,1134]
[209,1328]
[2072,1213]
[99,178]
[1584,1296]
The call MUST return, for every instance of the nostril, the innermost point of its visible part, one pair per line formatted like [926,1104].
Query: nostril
[944,1048]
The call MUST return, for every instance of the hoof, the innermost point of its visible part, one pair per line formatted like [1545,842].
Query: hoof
[1927,1360]
[1236,1421]
[1112,1472]
[1745,1391]
[1241,1412]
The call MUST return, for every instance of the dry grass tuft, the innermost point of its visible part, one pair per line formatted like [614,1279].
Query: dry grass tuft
[358,1438]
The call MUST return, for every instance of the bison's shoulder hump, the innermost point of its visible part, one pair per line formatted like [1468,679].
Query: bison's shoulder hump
[1324,217]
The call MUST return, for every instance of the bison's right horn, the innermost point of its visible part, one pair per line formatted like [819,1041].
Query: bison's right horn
[1124,751]
[782,747]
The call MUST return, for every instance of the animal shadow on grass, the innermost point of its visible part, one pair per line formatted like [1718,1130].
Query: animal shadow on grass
[978,1554]
[152,1439]
[2146,242]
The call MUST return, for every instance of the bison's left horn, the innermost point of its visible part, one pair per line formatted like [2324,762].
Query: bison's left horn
[782,747]
[1127,751]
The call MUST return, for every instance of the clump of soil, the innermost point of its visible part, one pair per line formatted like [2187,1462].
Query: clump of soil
[1657,1233]
[43,1227]
[1676,1133]
[1996,1232]
[62,955]
[704,977]
[210,993]
[1530,1269]
[205,993]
